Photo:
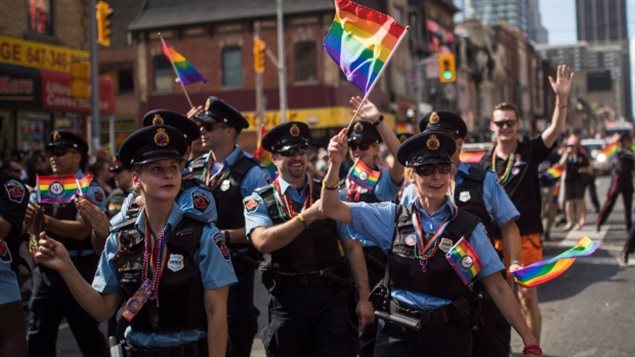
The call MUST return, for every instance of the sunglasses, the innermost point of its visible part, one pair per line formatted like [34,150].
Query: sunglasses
[428,169]
[60,151]
[502,123]
[212,126]
[293,151]
[361,146]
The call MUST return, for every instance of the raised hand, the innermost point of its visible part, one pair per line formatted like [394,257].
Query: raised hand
[368,110]
[52,254]
[564,79]
[313,213]
[93,216]
[337,147]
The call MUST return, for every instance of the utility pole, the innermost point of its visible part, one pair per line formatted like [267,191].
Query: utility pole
[282,78]
[94,76]
[260,108]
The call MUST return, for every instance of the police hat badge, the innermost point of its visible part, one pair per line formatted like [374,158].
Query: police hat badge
[157,120]
[359,127]
[433,143]
[208,104]
[57,136]
[294,130]
[161,138]
[434,118]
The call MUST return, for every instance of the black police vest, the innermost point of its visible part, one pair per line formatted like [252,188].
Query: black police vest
[469,197]
[316,248]
[66,211]
[230,201]
[180,298]
[439,279]
[197,166]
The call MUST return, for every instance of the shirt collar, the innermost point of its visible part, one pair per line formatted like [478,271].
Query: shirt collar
[175,216]
[448,208]
[284,185]
[231,159]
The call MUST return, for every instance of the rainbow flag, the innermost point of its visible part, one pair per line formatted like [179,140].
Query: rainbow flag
[263,155]
[545,270]
[464,260]
[83,183]
[554,172]
[361,41]
[611,150]
[471,157]
[56,189]
[186,72]
[364,176]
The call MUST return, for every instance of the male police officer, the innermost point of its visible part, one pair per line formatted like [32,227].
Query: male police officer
[308,308]
[123,181]
[51,300]
[232,175]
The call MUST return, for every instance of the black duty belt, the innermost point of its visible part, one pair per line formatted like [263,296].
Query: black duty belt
[438,316]
[193,349]
[320,278]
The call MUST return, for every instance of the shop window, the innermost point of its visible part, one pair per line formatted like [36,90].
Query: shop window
[125,80]
[163,76]
[305,61]
[232,66]
[40,16]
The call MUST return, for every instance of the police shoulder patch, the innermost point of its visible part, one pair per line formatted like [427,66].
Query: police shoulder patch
[5,253]
[220,244]
[200,200]
[251,204]
[15,191]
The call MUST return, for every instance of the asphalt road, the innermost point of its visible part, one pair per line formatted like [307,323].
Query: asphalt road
[588,311]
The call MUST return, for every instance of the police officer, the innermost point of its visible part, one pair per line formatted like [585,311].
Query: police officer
[476,191]
[51,301]
[368,182]
[172,271]
[13,203]
[232,175]
[621,183]
[308,284]
[123,183]
[424,291]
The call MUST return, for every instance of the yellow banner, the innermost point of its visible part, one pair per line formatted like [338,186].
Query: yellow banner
[38,55]
[316,118]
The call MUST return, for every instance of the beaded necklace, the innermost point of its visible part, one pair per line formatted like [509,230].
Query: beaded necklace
[154,259]
[504,178]
[427,245]
[284,204]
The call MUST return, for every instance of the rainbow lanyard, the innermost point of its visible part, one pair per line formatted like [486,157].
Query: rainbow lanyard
[506,176]
[154,259]
[425,247]
[284,202]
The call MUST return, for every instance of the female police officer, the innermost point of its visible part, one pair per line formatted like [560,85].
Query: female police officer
[173,271]
[422,285]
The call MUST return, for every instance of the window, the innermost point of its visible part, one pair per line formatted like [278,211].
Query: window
[305,58]
[125,80]
[232,66]
[163,75]
[40,17]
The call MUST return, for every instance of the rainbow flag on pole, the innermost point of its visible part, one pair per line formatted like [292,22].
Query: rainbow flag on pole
[361,41]
[545,270]
[610,151]
[554,172]
[186,72]
[56,189]
[364,176]
[464,260]
[83,183]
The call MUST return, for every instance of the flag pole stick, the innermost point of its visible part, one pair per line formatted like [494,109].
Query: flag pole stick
[187,96]
[381,71]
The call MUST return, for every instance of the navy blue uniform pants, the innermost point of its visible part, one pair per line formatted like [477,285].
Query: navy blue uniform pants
[312,321]
[623,186]
[492,336]
[242,315]
[51,301]
[376,265]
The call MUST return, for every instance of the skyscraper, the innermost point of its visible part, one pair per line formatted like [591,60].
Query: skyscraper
[523,15]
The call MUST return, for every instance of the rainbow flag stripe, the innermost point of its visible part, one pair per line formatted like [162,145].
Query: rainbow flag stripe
[361,41]
[364,176]
[611,150]
[471,157]
[264,156]
[464,260]
[83,183]
[56,189]
[545,270]
[186,72]
[554,172]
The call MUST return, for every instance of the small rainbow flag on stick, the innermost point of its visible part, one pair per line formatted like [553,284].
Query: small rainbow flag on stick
[464,260]
[56,189]
[364,176]
[545,270]
[186,72]
[83,183]
[554,172]
[361,41]
[611,150]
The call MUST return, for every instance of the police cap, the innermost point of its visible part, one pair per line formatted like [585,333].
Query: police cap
[286,136]
[427,147]
[152,143]
[67,139]
[217,111]
[403,136]
[167,117]
[445,121]
[116,166]
[363,132]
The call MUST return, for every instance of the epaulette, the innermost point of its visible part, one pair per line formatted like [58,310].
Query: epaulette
[476,173]
[262,189]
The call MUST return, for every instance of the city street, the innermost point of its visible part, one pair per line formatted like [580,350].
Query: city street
[588,311]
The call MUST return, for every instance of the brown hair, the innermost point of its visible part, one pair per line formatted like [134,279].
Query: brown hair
[507,106]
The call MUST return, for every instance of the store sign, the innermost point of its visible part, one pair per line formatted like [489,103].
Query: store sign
[38,55]
[56,94]
[19,85]
[327,117]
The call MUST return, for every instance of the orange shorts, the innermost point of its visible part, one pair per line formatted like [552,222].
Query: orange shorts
[530,249]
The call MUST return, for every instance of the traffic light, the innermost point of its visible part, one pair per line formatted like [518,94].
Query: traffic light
[447,68]
[259,55]
[80,80]
[104,12]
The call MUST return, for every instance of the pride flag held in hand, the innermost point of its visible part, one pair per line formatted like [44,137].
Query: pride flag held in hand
[364,176]
[546,270]
[56,189]
[464,260]
[186,72]
[83,183]
[554,172]
[361,41]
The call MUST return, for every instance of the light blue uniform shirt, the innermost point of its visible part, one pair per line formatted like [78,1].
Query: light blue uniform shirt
[256,177]
[9,289]
[216,271]
[384,190]
[497,203]
[258,216]
[377,222]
